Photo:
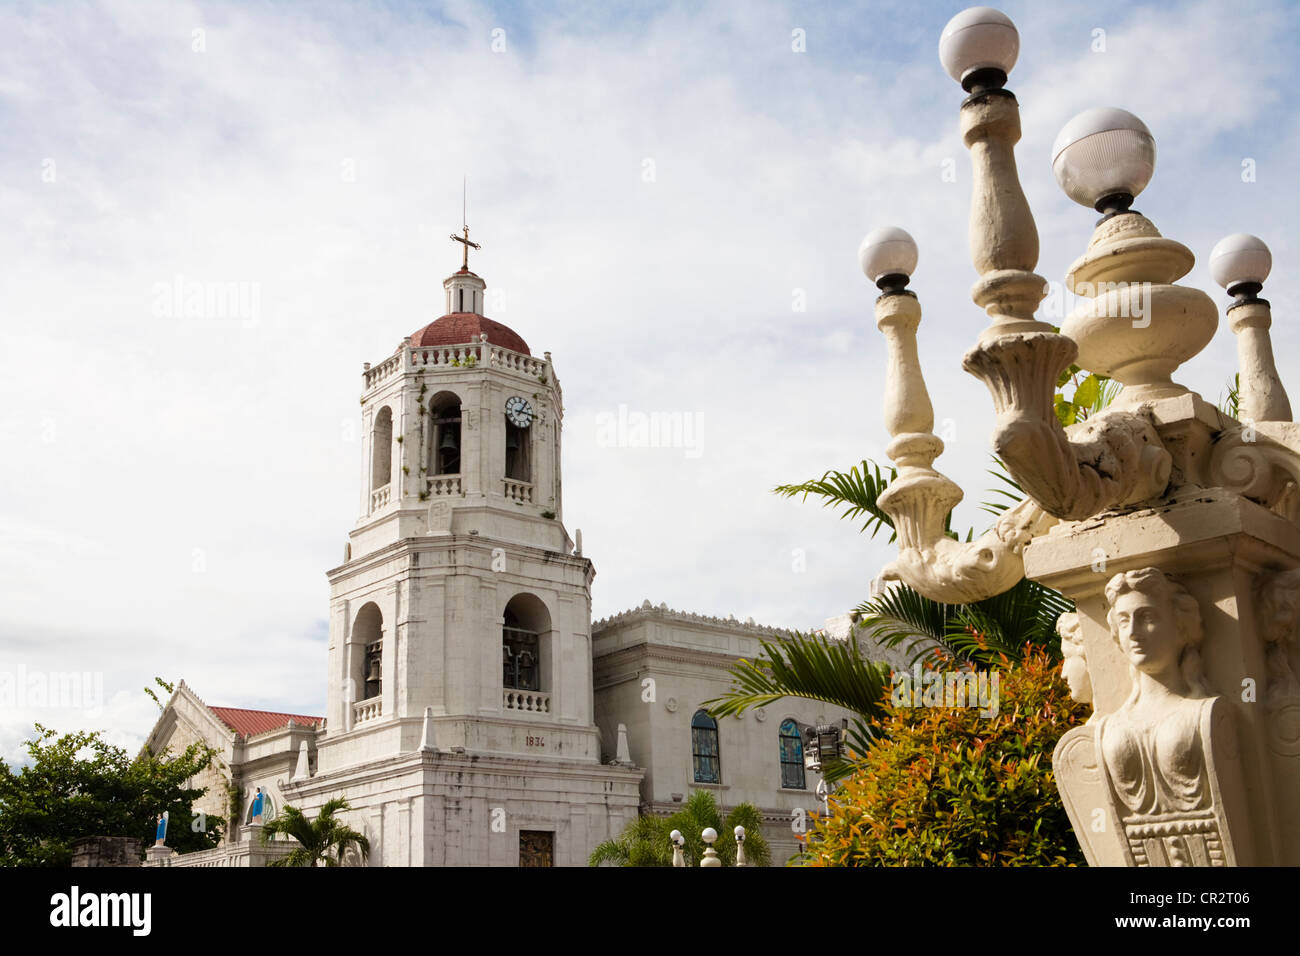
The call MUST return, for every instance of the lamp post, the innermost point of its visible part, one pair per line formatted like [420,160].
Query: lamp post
[709,836]
[822,744]
[1160,508]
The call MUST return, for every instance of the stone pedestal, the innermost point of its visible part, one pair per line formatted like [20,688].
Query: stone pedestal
[1223,549]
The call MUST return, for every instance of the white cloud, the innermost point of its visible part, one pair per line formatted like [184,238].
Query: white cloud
[145,447]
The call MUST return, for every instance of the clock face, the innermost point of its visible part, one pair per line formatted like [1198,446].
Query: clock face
[519,412]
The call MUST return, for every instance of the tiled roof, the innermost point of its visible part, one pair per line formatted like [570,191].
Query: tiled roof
[250,722]
[457,328]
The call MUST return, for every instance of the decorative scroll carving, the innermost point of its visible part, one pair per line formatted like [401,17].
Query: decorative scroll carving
[1166,762]
[1112,459]
[1252,464]
[957,572]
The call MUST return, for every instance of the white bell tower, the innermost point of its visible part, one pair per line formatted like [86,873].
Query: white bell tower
[461,591]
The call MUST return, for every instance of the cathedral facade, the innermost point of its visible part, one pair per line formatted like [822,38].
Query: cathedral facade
[474,716]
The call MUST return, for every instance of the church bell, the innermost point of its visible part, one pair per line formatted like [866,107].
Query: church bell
[448,442]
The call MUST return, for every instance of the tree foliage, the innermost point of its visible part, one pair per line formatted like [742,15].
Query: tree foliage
[645,841]
[78,785]
[321,842]
[950,787]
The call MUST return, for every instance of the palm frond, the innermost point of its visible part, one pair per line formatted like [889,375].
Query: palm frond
[814,667]
[856,491]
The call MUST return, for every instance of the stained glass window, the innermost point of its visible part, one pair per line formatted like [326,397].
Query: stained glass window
[704,748]
[792,777]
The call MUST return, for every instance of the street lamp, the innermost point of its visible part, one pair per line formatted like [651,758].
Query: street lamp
[1159,485]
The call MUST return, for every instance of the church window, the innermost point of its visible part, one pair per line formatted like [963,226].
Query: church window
[518,453]
[792,777]
[446,419]
[704,748]
[381,465]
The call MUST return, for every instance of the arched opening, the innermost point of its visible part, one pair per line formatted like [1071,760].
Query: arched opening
[525,644]
[366,653]
[444,417]
[381,450]
[519,464]
[792,775]
[704,748]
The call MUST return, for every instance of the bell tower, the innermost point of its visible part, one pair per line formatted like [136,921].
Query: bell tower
[461,593]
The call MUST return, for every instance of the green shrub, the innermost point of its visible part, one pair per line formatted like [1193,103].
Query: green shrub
[946,786]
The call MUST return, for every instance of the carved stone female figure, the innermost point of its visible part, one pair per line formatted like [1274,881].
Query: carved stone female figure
[1158,781]
[1162,749]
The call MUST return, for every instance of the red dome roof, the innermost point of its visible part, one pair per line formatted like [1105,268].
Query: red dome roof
[460,328]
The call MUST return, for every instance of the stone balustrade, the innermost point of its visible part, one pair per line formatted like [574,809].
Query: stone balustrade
[364,710]
[442,486]
[520,491]
[467,355]
[383,370]
[380,497]
[528,701]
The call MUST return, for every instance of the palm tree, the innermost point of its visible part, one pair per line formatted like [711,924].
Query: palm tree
[645,841]
[317,839]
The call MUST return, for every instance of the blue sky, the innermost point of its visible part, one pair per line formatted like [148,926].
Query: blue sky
[128,157]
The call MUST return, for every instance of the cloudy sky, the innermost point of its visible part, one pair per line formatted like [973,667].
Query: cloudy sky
[669,199]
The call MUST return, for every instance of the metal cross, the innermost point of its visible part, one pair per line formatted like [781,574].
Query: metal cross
[455,238]
[464,263]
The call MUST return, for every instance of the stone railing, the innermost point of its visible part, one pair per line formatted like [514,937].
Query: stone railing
[467,355]
[520,491]
[364,710]
[379,499]
[474,353]
[528,701]
[441,486]
[383,370]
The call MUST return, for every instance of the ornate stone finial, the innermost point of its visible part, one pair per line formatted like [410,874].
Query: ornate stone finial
[302,770]
[428,739]
[1240,263]
[623,754]
[1135,325]
[1165,767]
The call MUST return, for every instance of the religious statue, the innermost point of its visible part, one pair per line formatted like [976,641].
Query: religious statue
[1157,782]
